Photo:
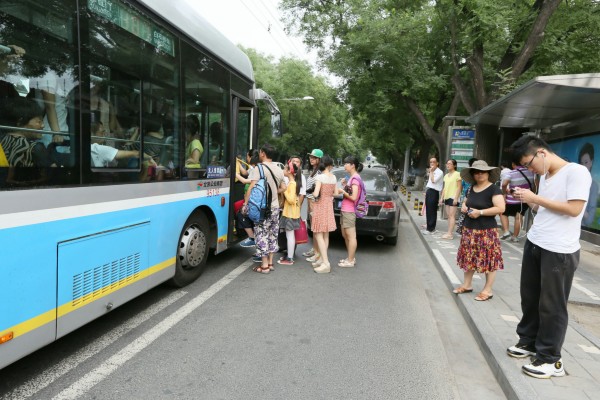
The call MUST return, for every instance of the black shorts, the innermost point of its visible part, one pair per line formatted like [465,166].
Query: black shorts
[450,202]
[512,209]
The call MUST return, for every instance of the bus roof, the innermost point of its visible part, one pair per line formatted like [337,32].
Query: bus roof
[544,102]
[187,19]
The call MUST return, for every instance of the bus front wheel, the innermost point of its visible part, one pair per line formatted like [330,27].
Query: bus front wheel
[192,250]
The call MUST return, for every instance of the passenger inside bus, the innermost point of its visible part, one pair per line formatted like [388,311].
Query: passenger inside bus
[104,109]
[27,157]
[9,55]
[154,144]
[52,90]
[194,148]
[215,148]
[107,156]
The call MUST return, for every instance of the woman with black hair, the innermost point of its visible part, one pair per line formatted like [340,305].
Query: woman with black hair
[314,157]
[323,220]
[25,155]
[290,218]
[350,193]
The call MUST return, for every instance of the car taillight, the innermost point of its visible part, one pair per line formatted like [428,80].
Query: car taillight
[386,206]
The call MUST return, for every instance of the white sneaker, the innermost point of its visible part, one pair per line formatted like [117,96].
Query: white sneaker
[505,236]
[521,350]
[426,232]
[309,253]
[514,239]
[542,370]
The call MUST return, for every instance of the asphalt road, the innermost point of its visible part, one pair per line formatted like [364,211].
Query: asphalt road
[387,329]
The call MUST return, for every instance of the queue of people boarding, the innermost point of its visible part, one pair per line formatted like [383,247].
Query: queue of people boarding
[284,219]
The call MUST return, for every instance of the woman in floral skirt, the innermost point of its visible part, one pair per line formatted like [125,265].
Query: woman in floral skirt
[480,249]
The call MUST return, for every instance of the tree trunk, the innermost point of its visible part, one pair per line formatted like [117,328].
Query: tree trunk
[535,37]
[429,132]
[475,63]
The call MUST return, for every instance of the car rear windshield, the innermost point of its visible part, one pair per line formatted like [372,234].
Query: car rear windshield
[375,180]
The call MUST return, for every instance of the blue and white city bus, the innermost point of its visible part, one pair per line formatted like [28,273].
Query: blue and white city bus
[100,197]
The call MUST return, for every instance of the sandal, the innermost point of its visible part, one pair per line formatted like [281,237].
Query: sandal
[447,236]
[346,263]
[483,296]
[461,290]
[261,270]
[271,268]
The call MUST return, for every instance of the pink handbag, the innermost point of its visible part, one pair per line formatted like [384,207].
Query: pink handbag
[301,234]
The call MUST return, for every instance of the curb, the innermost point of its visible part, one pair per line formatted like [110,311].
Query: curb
[509,378]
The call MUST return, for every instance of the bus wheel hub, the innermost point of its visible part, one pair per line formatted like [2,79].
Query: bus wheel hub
[192,247]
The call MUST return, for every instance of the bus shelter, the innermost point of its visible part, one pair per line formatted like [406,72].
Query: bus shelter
[562,109]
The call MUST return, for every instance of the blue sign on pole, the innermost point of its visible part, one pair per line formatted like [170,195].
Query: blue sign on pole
[463,134]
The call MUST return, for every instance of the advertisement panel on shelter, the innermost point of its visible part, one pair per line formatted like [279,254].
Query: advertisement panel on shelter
[582,150]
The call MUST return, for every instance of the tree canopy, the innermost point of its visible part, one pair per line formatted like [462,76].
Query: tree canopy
[323,122]
[406,64]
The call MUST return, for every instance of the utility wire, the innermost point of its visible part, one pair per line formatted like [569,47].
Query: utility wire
[281,27]
[275,37]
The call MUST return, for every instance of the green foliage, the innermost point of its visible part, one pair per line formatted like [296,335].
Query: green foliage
[393,54]
[320,123]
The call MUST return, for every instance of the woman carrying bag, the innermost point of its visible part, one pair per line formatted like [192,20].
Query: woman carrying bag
[290,218]
[350,194]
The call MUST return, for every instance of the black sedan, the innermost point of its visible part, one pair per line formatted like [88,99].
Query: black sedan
[384,206]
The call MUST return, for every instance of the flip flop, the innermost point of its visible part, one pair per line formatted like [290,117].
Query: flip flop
[483,297]
[461,290]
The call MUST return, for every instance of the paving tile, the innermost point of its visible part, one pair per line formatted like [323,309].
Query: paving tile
[497,320]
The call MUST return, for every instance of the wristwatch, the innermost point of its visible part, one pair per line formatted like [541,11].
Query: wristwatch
[480,213]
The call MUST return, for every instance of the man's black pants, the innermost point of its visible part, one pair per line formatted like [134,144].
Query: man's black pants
[546,279]
[432,198]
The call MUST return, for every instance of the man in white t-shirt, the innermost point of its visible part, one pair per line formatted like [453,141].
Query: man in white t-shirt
[106,156]
[435,182]
[550,255]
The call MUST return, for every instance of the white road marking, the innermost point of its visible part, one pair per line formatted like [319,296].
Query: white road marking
[510,318]
[592,295]
[113,363]
[446,267]
[49,376]
[589,349]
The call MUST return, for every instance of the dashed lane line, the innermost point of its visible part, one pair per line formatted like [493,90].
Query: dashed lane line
[100,373]
[50,375]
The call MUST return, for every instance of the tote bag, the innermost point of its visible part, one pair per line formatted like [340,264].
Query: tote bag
[301,234]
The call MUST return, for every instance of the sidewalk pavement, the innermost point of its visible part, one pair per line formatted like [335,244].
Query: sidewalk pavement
[494,322]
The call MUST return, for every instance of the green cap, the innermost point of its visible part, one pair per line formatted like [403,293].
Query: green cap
[316,153]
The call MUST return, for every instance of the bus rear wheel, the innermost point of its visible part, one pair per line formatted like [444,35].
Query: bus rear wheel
[192,250]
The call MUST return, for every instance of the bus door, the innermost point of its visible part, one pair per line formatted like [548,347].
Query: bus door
[242,132]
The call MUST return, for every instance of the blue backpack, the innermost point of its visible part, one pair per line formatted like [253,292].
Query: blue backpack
[259,202]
